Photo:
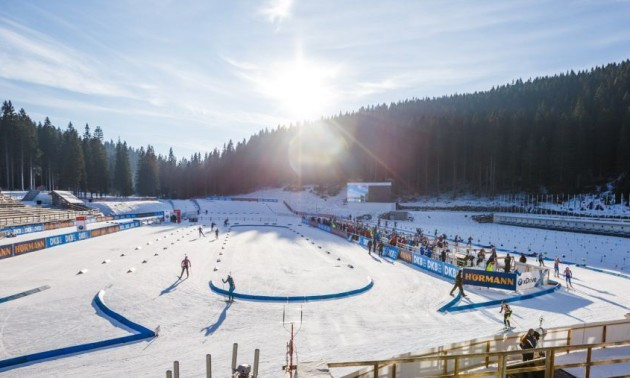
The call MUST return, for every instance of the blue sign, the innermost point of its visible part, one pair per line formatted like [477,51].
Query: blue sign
[436,266]
[363,241]
[324,228]
[27,229]
[391,252]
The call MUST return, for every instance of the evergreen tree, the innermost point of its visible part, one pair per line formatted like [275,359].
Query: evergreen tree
[122,171]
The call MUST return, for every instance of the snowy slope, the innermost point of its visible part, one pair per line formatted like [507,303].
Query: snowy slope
[397,315]
[130,207]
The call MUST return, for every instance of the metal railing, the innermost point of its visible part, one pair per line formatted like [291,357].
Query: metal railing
[500,362]
[482,353]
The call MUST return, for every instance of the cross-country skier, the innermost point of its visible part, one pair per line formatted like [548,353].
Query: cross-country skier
[369,247]
[225,222]
[216,233]
[568,274]
[469,241]
[556,267]
[230,281]
[212,226]
[541,259]
[201,234]
[185,265]
[459,283]
[507,313]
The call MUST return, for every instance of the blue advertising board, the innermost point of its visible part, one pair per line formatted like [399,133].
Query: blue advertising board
[436,266]
[27,229]
[324,227]
[499,280]
[391,252]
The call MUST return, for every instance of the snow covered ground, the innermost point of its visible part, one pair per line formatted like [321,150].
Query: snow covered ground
[130,207]
[398,315]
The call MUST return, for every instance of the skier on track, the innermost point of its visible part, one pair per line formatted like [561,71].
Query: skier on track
[556,267]
[541,259]
[212,226]
[216,233]
[507,313]
[201,234]
[369,246]
[568,274]
[459,283]
[229,280]
[185,265]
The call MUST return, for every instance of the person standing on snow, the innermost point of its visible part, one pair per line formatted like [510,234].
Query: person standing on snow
[201,234]
[507,313]
[541,259]
[216,233]
[459,283]
[568,274]
[185,265]
[230,281]
[556,267]
[508,263]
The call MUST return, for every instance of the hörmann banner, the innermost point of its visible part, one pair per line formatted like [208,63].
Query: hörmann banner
[29,246]
[6,251]
[499,280]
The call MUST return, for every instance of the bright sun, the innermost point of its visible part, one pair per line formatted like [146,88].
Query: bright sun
[303,89]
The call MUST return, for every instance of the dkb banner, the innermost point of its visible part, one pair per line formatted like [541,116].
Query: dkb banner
[391,252]
[436,266]
[499,280]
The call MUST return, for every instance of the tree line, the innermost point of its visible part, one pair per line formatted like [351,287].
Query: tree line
[564,133]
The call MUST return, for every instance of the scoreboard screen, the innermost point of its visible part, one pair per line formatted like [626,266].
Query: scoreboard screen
[369,192]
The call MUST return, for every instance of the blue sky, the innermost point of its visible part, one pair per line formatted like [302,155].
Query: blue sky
[193,74]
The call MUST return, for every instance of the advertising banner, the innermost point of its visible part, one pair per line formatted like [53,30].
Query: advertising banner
[29,246]
[499,280]
[324,227]
[56,225]
[81,223]
[426,263]
[436,266]
[339,232]
[27,229]
[6,251]
[104,231]
[526,280]
[391,252]
[405,256]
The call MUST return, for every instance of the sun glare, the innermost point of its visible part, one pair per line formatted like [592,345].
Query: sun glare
[303,89]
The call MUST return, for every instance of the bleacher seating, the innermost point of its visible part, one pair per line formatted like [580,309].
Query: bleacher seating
[67,200]
[15,213]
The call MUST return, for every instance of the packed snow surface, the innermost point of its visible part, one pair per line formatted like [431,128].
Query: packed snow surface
[398,315]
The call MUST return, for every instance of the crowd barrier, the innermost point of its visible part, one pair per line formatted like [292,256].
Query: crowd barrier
[296,298]
[139,215]
[143,333]
[36,227]
[242,199]
[20,248]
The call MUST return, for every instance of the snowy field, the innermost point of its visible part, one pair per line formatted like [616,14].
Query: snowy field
[398,315]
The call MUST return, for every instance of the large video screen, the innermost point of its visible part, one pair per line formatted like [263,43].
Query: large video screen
[369,192]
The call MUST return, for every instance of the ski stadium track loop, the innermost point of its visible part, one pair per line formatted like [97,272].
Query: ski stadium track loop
[296,298]
[496,302]
[143,333]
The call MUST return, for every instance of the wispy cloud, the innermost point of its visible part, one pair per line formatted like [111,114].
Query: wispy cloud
[32,57]
[277,10]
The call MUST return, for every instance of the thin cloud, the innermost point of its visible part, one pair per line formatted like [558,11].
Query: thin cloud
[277,11]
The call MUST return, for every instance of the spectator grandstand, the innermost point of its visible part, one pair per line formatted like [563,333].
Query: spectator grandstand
[14,213]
